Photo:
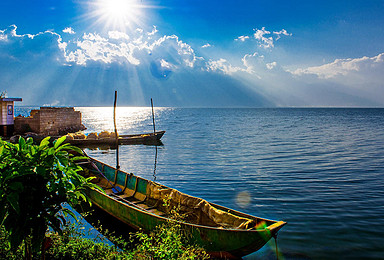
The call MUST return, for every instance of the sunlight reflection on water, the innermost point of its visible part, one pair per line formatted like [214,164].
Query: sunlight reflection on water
[128,119]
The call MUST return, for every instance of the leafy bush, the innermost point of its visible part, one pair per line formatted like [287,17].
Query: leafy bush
[35,180]
[166,242]
[5,248]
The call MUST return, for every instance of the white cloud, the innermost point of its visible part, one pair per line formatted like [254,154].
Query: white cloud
[242,38]
[54,103]
[166,65]
[265,42]
[247,61]
[271,65]
[69,30]
[254,65]
[265,39]
[222,65]
[93,47]
[10,32]
[153,32]
[3,36]
[346,67]
[118,35]
[206,45]
[282,32]
[131,49]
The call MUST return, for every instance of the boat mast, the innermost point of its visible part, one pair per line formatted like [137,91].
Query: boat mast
[153,119]
[116,136]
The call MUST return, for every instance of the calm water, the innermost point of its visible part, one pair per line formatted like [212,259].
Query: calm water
[320,170]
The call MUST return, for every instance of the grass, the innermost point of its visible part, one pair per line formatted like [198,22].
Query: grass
[166,242]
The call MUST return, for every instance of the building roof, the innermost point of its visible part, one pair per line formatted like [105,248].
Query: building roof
[11,99]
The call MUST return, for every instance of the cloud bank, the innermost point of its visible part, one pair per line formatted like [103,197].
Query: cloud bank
[143,64]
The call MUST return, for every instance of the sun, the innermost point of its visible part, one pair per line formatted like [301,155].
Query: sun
[118,8]
[117,14]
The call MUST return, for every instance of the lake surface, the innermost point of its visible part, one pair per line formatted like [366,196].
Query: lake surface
[320,170]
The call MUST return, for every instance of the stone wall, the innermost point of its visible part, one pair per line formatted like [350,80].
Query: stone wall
[28,124]
[50,121]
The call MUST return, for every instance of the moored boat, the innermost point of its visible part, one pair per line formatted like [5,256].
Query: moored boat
[147,138]
[139,203]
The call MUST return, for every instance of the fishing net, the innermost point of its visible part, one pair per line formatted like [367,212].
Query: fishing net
[200,210]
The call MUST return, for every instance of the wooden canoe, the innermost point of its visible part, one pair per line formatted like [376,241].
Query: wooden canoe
[147,138]
[219,230]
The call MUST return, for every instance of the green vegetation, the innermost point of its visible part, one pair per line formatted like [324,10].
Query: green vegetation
[166,242]
[35,182]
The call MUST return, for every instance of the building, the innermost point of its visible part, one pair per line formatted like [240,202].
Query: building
[50,121]
[7,116]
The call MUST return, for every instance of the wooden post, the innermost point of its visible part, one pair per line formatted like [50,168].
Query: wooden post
[154,169]
[153,119]
[116,136]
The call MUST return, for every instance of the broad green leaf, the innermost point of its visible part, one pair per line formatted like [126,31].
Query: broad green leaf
[59,141]
[32,150]
[78,158]
[95,187]
[22,143]
[69,212]
[51,151]
[63,160]
[44,142]
[81,195]
[29,141]
[69,147]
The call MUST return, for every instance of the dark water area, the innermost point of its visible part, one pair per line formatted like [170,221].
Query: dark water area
[320,170]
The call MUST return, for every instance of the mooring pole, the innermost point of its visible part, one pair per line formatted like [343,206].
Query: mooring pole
[277,250]
[116,136]
[153,119]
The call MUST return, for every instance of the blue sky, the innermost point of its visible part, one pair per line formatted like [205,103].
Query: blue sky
[193,53]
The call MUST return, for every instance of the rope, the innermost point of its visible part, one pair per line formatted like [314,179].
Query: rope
[277,250]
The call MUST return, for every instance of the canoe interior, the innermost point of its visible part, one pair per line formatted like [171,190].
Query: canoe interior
[146,204]
[151,197]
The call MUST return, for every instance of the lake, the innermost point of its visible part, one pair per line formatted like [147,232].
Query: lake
[319,169]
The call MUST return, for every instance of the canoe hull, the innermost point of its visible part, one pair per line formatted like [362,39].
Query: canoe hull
[215,240]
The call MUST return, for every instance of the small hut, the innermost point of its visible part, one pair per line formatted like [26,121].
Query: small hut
[7,116]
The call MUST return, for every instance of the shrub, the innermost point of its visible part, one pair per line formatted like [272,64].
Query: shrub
[35,180]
